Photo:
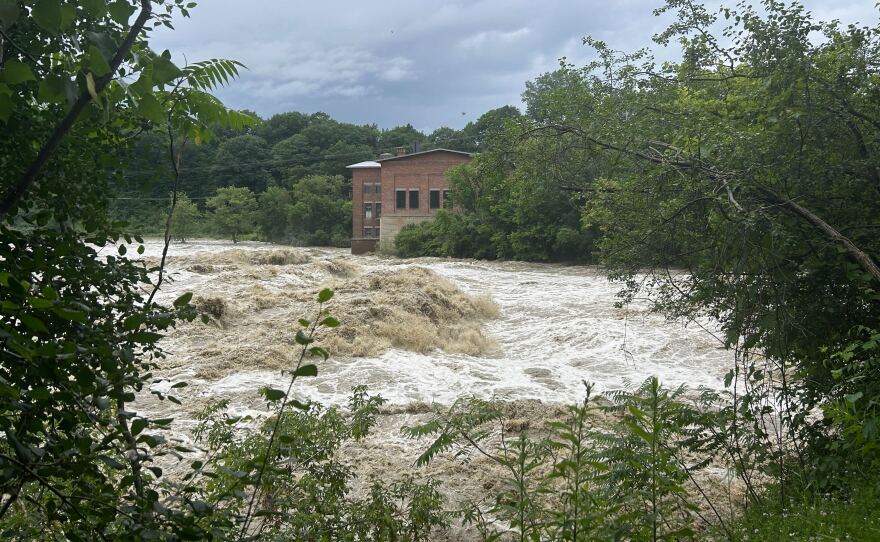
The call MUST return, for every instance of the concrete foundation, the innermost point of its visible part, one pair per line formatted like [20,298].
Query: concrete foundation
[362,246]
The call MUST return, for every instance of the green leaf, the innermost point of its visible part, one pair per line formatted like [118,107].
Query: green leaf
[40,303]
[97,63]
[67,314]
[145,337]
[138,425]
[8,12]
[179,385]
[183,300]
[330,322]
[8,391]
[132,322]
[47,14]
[33,323]
[853,397]
[150,108]
[17,72]
[68,15]
[51,89]
[164,70]
[325,295]
[39,394]
[272,394]
[306,370]
[299,405]
[302,338]
[120,11]
[95,8]
[318,351]
[111,462]
[5,107]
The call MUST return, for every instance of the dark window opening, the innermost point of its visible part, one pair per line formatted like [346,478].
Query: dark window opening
[378,188]
[378,210]
[413,199]
[435,199]
[368,232]
[401,199]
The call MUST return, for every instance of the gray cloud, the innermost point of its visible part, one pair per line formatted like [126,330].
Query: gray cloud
[397,61]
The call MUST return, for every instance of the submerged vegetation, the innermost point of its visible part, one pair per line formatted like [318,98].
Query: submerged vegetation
[750,164]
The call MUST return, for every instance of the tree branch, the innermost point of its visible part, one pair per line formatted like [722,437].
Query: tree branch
[862,257]
[10,200]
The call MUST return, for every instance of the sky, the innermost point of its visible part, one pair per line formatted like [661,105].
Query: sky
[426,63]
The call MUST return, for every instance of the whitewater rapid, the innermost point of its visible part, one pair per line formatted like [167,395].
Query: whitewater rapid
[558,327]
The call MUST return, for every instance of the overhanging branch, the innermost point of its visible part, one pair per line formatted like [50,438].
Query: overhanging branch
[10,200]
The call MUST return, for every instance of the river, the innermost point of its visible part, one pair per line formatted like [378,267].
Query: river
[557,327]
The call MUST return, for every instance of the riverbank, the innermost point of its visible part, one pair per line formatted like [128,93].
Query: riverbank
[421,333]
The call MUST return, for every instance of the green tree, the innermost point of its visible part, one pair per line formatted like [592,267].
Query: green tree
[321,210]
[282,126]
[274,209]
[489,126]
[751,166]
[233,211]
[242,161]
[401,136]
[186,218]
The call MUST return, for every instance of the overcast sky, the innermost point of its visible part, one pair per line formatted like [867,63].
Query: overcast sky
[428,63]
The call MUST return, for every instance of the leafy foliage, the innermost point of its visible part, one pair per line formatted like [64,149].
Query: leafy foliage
[233,211]
[582,481]
[186,218]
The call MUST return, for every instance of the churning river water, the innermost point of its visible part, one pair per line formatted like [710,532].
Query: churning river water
[558,326]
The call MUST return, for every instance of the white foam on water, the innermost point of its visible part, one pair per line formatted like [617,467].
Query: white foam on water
[558,327]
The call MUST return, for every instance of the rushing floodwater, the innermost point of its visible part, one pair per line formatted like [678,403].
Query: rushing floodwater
[558,326]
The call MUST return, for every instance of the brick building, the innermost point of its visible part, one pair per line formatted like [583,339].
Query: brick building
[394,191]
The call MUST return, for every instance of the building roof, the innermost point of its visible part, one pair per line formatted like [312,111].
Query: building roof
[423,152]
[367,164]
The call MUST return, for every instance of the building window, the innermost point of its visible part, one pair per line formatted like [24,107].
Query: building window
[368,232]
[435,199]
[413,199]
[368,188]
[368,211]
[378,210]
[376,231]
[401,199]
[378,188]
[447,203]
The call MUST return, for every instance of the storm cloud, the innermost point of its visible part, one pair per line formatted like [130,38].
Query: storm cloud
[394,62]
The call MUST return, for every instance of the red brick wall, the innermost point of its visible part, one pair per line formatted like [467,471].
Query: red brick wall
[423,172]
[359,177]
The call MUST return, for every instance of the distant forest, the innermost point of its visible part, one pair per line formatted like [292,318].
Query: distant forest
[286,151]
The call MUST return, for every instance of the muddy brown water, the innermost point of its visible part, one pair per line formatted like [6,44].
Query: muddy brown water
[416,332]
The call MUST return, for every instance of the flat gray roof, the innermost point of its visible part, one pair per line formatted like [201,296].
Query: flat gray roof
[367,164]
[424,152]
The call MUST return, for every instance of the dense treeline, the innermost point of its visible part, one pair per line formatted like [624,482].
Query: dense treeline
[293,164]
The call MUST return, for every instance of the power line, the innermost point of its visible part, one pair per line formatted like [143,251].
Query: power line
[265,164]
[294,161]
